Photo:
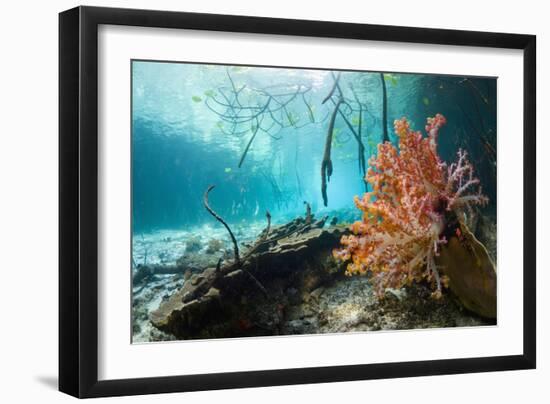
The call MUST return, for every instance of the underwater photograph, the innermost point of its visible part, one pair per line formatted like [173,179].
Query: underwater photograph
[272,201]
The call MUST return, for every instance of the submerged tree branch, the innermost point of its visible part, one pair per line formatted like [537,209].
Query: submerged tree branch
[326,164]
[361,146]
[219,219]
[385,136]
[249,143]
[308,212]
[244,109]
[268,228]
[334,87]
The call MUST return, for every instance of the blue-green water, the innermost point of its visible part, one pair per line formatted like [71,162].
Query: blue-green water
[189,131]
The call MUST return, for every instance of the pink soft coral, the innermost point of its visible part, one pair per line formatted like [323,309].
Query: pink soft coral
[404,216]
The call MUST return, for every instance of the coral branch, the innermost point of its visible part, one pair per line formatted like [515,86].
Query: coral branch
[460,179]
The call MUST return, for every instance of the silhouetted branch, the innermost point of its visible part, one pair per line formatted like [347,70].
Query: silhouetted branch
[268,228]
[248,144]
[219,219]
[267,110]
[385,136]
[308,212]
[333,89]
[326,164]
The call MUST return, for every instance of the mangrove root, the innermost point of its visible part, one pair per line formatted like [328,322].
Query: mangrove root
[308,212]
[219,219]
[326,164]
[268,228]
[385,137]
[241,161]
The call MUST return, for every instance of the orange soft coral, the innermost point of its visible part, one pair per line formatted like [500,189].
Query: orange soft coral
[404,215]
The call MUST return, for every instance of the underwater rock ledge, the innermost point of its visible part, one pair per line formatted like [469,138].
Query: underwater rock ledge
[250,299]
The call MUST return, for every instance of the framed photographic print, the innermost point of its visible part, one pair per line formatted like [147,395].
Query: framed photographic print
[251,201]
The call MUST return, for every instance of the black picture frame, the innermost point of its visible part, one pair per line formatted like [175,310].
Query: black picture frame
[78,201]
